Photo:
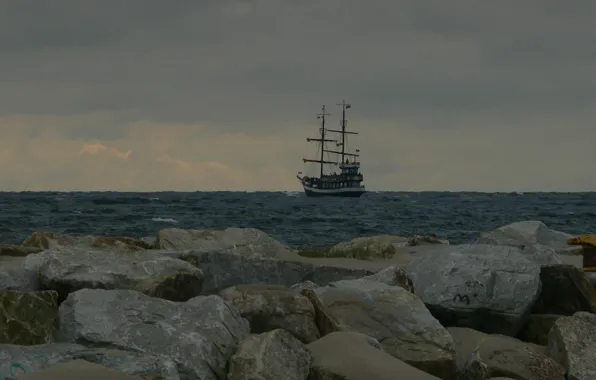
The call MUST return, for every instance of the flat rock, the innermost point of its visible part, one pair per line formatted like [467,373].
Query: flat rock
[396,318]
[28,318]
[350,356]
[248,242]
[537,327]
[378,247]
[571,342]
[270,356]
[75,370]
[269,307]
[51,240]
[70,269]
[565,290]
[223,270]
[200,335]
[392,276]
[527,232]
[485,287]
[482,357]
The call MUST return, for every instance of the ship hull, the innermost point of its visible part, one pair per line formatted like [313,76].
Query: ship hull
[347,192]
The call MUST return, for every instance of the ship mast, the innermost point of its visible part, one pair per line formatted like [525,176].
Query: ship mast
[343,124]
[323,140]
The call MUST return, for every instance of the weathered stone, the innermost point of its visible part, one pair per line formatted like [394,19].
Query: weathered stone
[537,327]
[392,276]
[270,356]
[200,335]
[565,290]
[481,356]
[76,370]
[17,250]
[397,319]
[28,318]
[248,242]
[527,232]
[16,360]
[369,247]
[270,307]
[68,270]
[571,342]
[484,287]
[350,356]
[51,240]
[225,270]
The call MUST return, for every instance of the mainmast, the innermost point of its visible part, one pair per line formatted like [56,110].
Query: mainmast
[323,140]
[343,124]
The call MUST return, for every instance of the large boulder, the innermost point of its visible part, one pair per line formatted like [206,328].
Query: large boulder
[571,342]
[200,335]
[395,317]
[51,240]
[28,318]
[270,356]
[379,246]
[528,232]
[269,307]
[71,269]
[481,357]
[240,241]
[351,356]
[223,270]
[484,287]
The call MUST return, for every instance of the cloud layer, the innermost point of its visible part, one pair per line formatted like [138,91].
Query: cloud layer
[220,95]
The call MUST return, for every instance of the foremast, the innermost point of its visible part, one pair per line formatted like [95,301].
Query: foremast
[322,140]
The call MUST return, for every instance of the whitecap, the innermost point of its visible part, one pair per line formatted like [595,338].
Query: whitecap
[165,220]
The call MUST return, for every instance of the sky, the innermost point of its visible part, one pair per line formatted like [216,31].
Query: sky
[149,95]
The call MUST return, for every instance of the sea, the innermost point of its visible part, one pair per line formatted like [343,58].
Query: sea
[301,222]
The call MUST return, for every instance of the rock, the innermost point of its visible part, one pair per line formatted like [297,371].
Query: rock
[28,318]
[392,276]
[223,270]
[571,342]
[537,327]
[248,242]
[75,370]
[16,360]
[396,318]
[565,290]
[51,240]
[349,356]
[484,287]
[17,250]
[528,232]
[481,357]
[369,247]
[68,270]
[200,335]
[14,275]
[270,307]
[270,356]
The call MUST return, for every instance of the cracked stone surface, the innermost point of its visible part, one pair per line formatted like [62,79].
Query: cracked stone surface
[28,318]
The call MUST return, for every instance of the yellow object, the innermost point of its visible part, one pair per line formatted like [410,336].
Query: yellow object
[584,240]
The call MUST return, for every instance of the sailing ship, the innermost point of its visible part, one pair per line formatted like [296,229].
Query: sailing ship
[346,183]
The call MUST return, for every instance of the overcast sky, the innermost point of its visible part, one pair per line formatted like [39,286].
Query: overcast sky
[220,95]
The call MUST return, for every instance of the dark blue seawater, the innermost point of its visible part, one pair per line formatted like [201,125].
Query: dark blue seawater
[292,218]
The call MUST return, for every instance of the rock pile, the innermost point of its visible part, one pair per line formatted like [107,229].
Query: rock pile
[236,304]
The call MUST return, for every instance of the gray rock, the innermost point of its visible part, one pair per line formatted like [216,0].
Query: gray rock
[223,270]
[14,275]
[484,287]
[481,356]
[571,342]
[68,270]
[391,276]
[528,232]
[350,356]
[270,307]
[397,319]
[200,335]
[270,356]
[249,242]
